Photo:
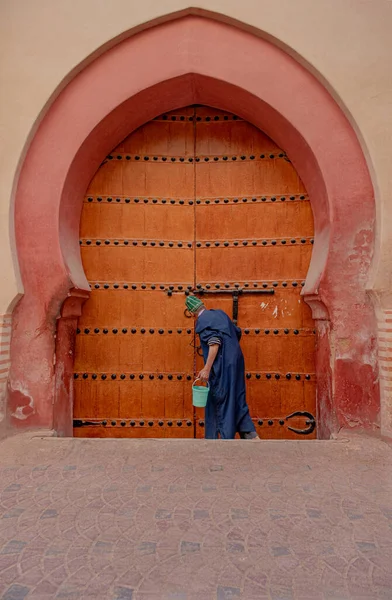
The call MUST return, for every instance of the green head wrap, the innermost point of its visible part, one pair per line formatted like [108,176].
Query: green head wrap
[193,304]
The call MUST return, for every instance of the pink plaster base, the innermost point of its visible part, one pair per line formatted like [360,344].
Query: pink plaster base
[187,61]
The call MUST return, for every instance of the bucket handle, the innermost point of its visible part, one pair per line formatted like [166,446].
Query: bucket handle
[198,379]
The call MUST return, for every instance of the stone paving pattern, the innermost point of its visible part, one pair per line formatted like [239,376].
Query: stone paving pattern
[187,520]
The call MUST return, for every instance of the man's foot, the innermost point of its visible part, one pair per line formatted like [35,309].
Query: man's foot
[251,435]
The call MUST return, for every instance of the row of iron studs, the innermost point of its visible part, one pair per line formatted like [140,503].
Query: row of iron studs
[198,118]
[203,244]
[170,423]
[197,159]
[150,423]
[143,330]
[180,377]
[182,202]
[189,288]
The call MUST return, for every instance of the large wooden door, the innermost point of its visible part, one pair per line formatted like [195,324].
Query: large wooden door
[196,201]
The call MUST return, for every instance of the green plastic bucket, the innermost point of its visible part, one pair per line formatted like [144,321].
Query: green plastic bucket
[199,395]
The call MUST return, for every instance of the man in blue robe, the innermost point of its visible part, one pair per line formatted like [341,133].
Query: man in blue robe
[226,412]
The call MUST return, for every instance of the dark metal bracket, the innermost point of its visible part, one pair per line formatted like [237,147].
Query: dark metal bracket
[235,294]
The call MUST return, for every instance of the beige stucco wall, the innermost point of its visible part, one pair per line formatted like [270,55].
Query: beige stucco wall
[347,43]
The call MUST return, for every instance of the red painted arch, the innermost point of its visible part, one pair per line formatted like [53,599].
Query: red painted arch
[187,61]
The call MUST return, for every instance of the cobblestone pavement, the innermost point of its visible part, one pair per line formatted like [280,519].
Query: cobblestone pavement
[180,520]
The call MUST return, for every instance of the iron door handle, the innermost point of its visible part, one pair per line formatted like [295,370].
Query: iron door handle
[310,420]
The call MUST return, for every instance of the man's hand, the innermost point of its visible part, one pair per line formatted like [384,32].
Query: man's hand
[204,374]
[212,352]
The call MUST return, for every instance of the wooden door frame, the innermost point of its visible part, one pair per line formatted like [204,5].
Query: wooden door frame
[221,66]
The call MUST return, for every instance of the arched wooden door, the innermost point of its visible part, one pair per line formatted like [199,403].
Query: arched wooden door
[196,200]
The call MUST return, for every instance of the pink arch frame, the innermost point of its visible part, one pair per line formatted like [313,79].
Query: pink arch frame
[186,61]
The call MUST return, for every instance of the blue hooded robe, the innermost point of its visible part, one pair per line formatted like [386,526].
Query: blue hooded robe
[226,412]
